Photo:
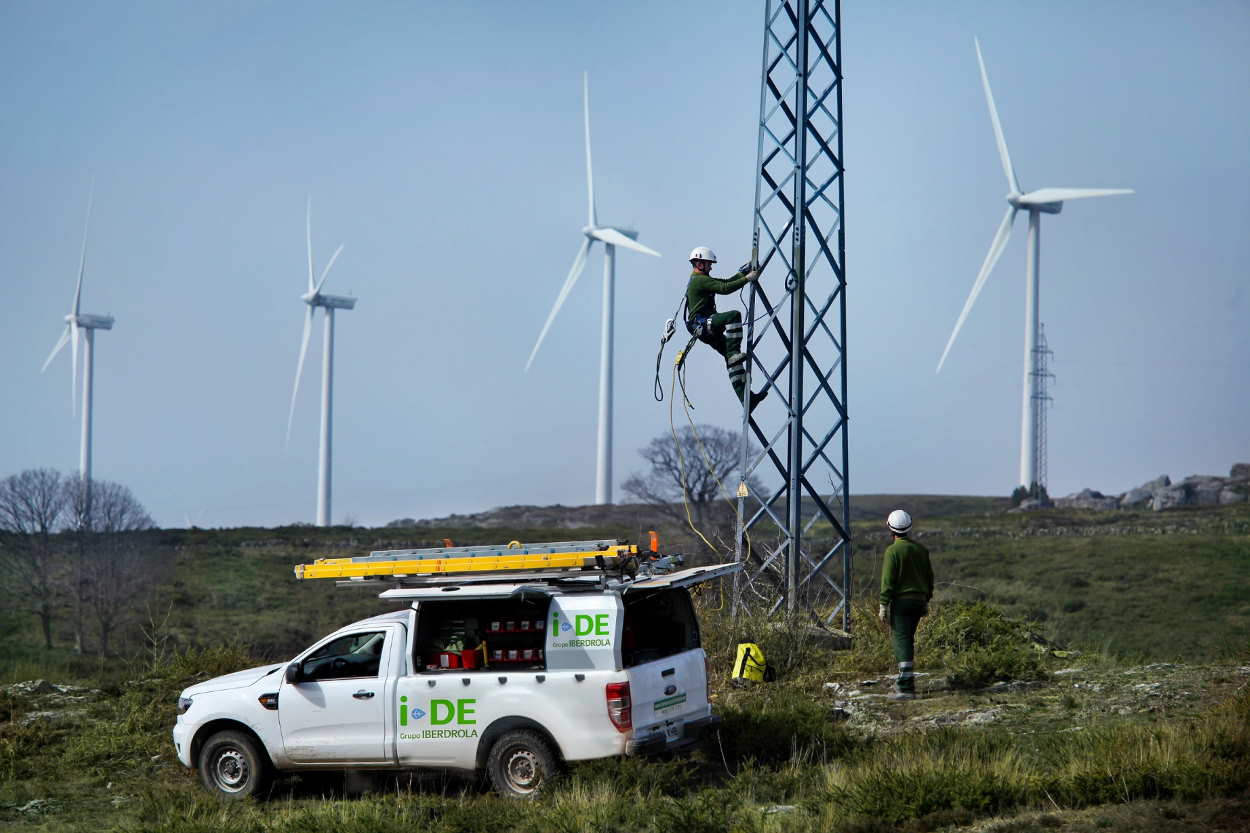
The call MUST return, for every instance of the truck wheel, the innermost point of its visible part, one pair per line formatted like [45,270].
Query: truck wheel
[521,764]
[232,766]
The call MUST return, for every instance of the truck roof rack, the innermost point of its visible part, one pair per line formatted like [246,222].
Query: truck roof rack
[554,561]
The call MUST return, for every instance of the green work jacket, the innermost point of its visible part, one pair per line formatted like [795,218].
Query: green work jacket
[702,290]
[906,572]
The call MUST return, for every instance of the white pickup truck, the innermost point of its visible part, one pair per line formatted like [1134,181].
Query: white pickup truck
[510,678]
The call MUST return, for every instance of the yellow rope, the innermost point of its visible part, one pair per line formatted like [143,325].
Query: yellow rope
[681,458]
[681,461]
[678,368]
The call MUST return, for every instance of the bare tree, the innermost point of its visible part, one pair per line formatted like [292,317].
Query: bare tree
[113,561]
[32,508]
[699,469]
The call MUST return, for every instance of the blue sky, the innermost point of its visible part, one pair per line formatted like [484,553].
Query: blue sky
[441,143]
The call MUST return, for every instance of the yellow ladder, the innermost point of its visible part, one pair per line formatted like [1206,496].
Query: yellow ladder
[579,556]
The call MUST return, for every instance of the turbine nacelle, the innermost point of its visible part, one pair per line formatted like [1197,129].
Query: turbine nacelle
[90,322]
[590,231]
[1021,202]
[318,299]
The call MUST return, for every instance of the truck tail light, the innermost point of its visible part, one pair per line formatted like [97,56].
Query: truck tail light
[620,707]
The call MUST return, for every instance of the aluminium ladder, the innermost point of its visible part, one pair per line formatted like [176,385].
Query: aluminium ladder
[437,565]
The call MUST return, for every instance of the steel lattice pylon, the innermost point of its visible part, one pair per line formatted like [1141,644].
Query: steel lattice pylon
[1041,403]
[795,540]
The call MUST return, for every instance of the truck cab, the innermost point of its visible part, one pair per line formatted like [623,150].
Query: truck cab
[509,678]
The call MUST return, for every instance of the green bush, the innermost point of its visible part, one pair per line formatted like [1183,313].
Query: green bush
[978,667]
[958,627]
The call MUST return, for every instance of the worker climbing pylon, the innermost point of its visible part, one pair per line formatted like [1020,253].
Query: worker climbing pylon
[722,331]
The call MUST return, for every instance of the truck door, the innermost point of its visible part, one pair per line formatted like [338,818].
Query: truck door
[337,712]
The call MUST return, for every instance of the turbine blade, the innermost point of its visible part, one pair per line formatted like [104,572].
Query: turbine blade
[579,265]
[1045,195]
[1005,157]
[299,370]
[82,260]
[991,257]
[60,345]
[616,238]
[590,176]
[326,272]
[308,238]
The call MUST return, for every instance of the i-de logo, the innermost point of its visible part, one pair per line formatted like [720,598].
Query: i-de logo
[462,712]
[441,712]
[595,627]
[586,625]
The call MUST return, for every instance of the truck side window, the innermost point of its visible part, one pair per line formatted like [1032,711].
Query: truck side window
[354,655]
[658,624]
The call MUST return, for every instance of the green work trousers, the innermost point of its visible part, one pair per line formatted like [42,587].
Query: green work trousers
[905,615]
[723,333]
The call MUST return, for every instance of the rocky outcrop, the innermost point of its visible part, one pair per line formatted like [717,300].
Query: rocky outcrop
[1161,493]
[1144,494]
[1170,498]
[1088,499]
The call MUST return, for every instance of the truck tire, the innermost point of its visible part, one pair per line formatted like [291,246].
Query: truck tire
[232,766]
[521,764]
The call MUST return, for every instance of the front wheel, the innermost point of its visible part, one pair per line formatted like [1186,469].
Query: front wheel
[233,766]
[521,764]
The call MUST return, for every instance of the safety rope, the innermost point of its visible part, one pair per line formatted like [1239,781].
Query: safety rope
[670,328]
[711,470]
[681,458]
[679,379]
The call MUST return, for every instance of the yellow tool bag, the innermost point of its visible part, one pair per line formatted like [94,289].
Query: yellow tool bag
[750,665]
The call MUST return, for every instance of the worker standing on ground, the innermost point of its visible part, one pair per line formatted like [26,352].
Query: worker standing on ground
[722,331]
[906,588]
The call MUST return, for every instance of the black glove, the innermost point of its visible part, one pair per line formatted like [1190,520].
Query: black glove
[744,268]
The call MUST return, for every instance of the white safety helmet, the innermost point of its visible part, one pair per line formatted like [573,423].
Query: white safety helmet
[899,521]
[702,253]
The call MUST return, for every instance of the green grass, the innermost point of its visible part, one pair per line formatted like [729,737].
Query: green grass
[777,746]
[1121,587]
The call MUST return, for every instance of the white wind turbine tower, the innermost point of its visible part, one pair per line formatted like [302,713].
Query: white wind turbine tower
[1041,201]
[314,298]
[74,322]
[611,237]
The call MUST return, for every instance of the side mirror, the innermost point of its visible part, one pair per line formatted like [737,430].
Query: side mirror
[294,673]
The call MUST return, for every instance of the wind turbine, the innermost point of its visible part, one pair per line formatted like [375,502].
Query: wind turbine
[611,237]
[75,322]
[314,298]
[1041,201]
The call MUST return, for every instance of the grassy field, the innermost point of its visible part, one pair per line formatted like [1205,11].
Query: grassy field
[1147,726]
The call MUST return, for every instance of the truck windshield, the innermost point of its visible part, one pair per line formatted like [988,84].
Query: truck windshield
[658,624]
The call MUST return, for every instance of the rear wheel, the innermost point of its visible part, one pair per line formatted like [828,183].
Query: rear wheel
[233,766]
[521,764]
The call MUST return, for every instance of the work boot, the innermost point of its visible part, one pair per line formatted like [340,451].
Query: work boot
[757,398]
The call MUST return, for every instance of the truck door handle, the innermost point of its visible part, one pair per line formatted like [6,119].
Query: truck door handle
[363,695]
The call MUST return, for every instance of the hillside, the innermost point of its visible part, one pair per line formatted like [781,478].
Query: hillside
[1105,687]
[1152,585]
